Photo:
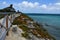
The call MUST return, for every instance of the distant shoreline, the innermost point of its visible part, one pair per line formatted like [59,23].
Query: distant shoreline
[43,14]
[46,14]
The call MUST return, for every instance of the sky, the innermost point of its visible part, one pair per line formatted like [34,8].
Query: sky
[33,6]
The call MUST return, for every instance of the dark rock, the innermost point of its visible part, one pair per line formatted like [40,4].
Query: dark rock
[14,29]
[8,9]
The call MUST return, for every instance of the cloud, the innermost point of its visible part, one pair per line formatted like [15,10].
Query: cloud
[43,6]
[55,6]
[57,3]
[4,2]
[37,5]
[50,7]
[26,6]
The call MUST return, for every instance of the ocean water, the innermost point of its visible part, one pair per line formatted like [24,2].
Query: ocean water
[50,22]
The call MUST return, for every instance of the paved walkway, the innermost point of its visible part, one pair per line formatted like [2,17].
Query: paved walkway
[15,36]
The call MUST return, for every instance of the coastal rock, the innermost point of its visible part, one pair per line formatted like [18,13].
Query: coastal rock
[8,9]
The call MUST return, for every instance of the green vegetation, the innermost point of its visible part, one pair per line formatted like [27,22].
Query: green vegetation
[1,16]
[16,22]
[24,28]
[19,20]
[27,16]
[26,35]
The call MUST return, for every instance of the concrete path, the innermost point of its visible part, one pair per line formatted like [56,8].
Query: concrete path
[15,36]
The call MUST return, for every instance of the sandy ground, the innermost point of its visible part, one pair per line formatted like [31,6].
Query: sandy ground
[15,36]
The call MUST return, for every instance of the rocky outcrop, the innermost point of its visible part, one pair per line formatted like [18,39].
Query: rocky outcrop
[8,9]
[32,30]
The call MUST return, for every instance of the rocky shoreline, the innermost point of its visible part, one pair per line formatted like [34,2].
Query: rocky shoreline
[32,30]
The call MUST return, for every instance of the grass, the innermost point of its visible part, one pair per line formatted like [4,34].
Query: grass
[26,16]
[26,35]
[1,16]
[24,28]
[16,22]
[19,20]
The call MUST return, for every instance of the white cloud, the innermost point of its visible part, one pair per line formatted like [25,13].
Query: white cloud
[36,3]
[44,6]
[35,6]
[50,6]
[25,5]
[57,3]
[4,2]
[28,4]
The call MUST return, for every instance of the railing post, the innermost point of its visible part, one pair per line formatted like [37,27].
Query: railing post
[11,18]
[7,24]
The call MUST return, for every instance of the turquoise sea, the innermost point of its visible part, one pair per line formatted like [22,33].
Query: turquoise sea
[50,22]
